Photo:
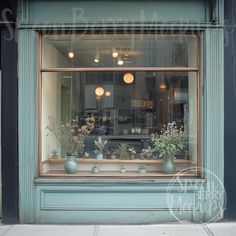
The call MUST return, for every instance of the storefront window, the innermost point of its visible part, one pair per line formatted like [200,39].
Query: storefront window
[105,100]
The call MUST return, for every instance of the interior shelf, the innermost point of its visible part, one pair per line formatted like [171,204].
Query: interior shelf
[111,168]
[117,161]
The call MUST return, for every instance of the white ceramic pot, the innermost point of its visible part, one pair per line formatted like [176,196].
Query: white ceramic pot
[99,156]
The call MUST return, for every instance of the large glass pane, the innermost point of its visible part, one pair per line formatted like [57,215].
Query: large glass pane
[127,106]
[119,50]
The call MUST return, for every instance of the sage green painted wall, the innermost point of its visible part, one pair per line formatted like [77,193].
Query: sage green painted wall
[115,201]
[28,122]
[115,13]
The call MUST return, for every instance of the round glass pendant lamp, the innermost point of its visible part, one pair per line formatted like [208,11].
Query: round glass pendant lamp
[163,86]
[115,54]
[128,78]
[99,91]
[108,93]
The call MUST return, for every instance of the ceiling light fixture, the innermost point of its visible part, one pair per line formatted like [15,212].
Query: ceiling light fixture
[120,62]
[163,86]
[71,54]
[97,57]
[115,54]
[128,78]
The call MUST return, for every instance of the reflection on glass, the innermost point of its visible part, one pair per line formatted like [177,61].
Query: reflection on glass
[124,112]
[120,50]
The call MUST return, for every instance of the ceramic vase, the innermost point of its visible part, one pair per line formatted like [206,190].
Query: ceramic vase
[168,166]
[99,156]
[70,165]
[95,170]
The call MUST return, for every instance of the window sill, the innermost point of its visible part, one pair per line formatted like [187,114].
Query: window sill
[111,168]
[130,174]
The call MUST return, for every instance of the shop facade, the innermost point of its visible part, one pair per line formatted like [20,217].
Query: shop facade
[107,76]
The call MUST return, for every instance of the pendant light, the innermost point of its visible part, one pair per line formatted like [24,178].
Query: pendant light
[97,57]
[128,78]
[99,91]
[163,86]
[120,62]
[71,54]
[108,93]
[115,53]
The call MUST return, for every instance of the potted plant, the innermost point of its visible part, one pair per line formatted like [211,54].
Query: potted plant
[133,152]
[100,146]
[70,135]
[123,151]
[168,143]
[114,154]
[147,152]
[54,154]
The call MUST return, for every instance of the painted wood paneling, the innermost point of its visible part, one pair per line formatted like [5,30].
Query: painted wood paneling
[138,203]
[214,115]
[28,79]
[85,12]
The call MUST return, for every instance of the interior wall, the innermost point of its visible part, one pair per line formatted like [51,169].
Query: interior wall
[51,97]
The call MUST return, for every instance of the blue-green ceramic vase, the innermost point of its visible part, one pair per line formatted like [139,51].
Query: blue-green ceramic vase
[168,166]
[70,165]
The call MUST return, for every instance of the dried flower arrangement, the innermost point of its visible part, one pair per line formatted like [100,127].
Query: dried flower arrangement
[70,134]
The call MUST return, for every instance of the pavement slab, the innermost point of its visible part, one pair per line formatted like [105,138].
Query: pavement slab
[214,229]
[152,230]
[222,229]
[49,230]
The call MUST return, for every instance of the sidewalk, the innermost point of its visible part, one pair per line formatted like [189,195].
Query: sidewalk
[215,229]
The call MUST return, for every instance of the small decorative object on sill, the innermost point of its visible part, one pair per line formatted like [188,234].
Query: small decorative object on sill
[133,152]
[145,131]
[113,155]
[86,155]
[142,170]
[125,131]
[142,156]
[168,143]
[122,169]
[123,151]
[95,170]
[54,154]
[100,146]
[108,155]
[186,156]
[147,152]
[70,165]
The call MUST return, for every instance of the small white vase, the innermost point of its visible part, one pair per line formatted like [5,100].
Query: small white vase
[99,156]
[95,170]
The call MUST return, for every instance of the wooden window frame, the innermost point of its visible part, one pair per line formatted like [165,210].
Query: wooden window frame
[42,69]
